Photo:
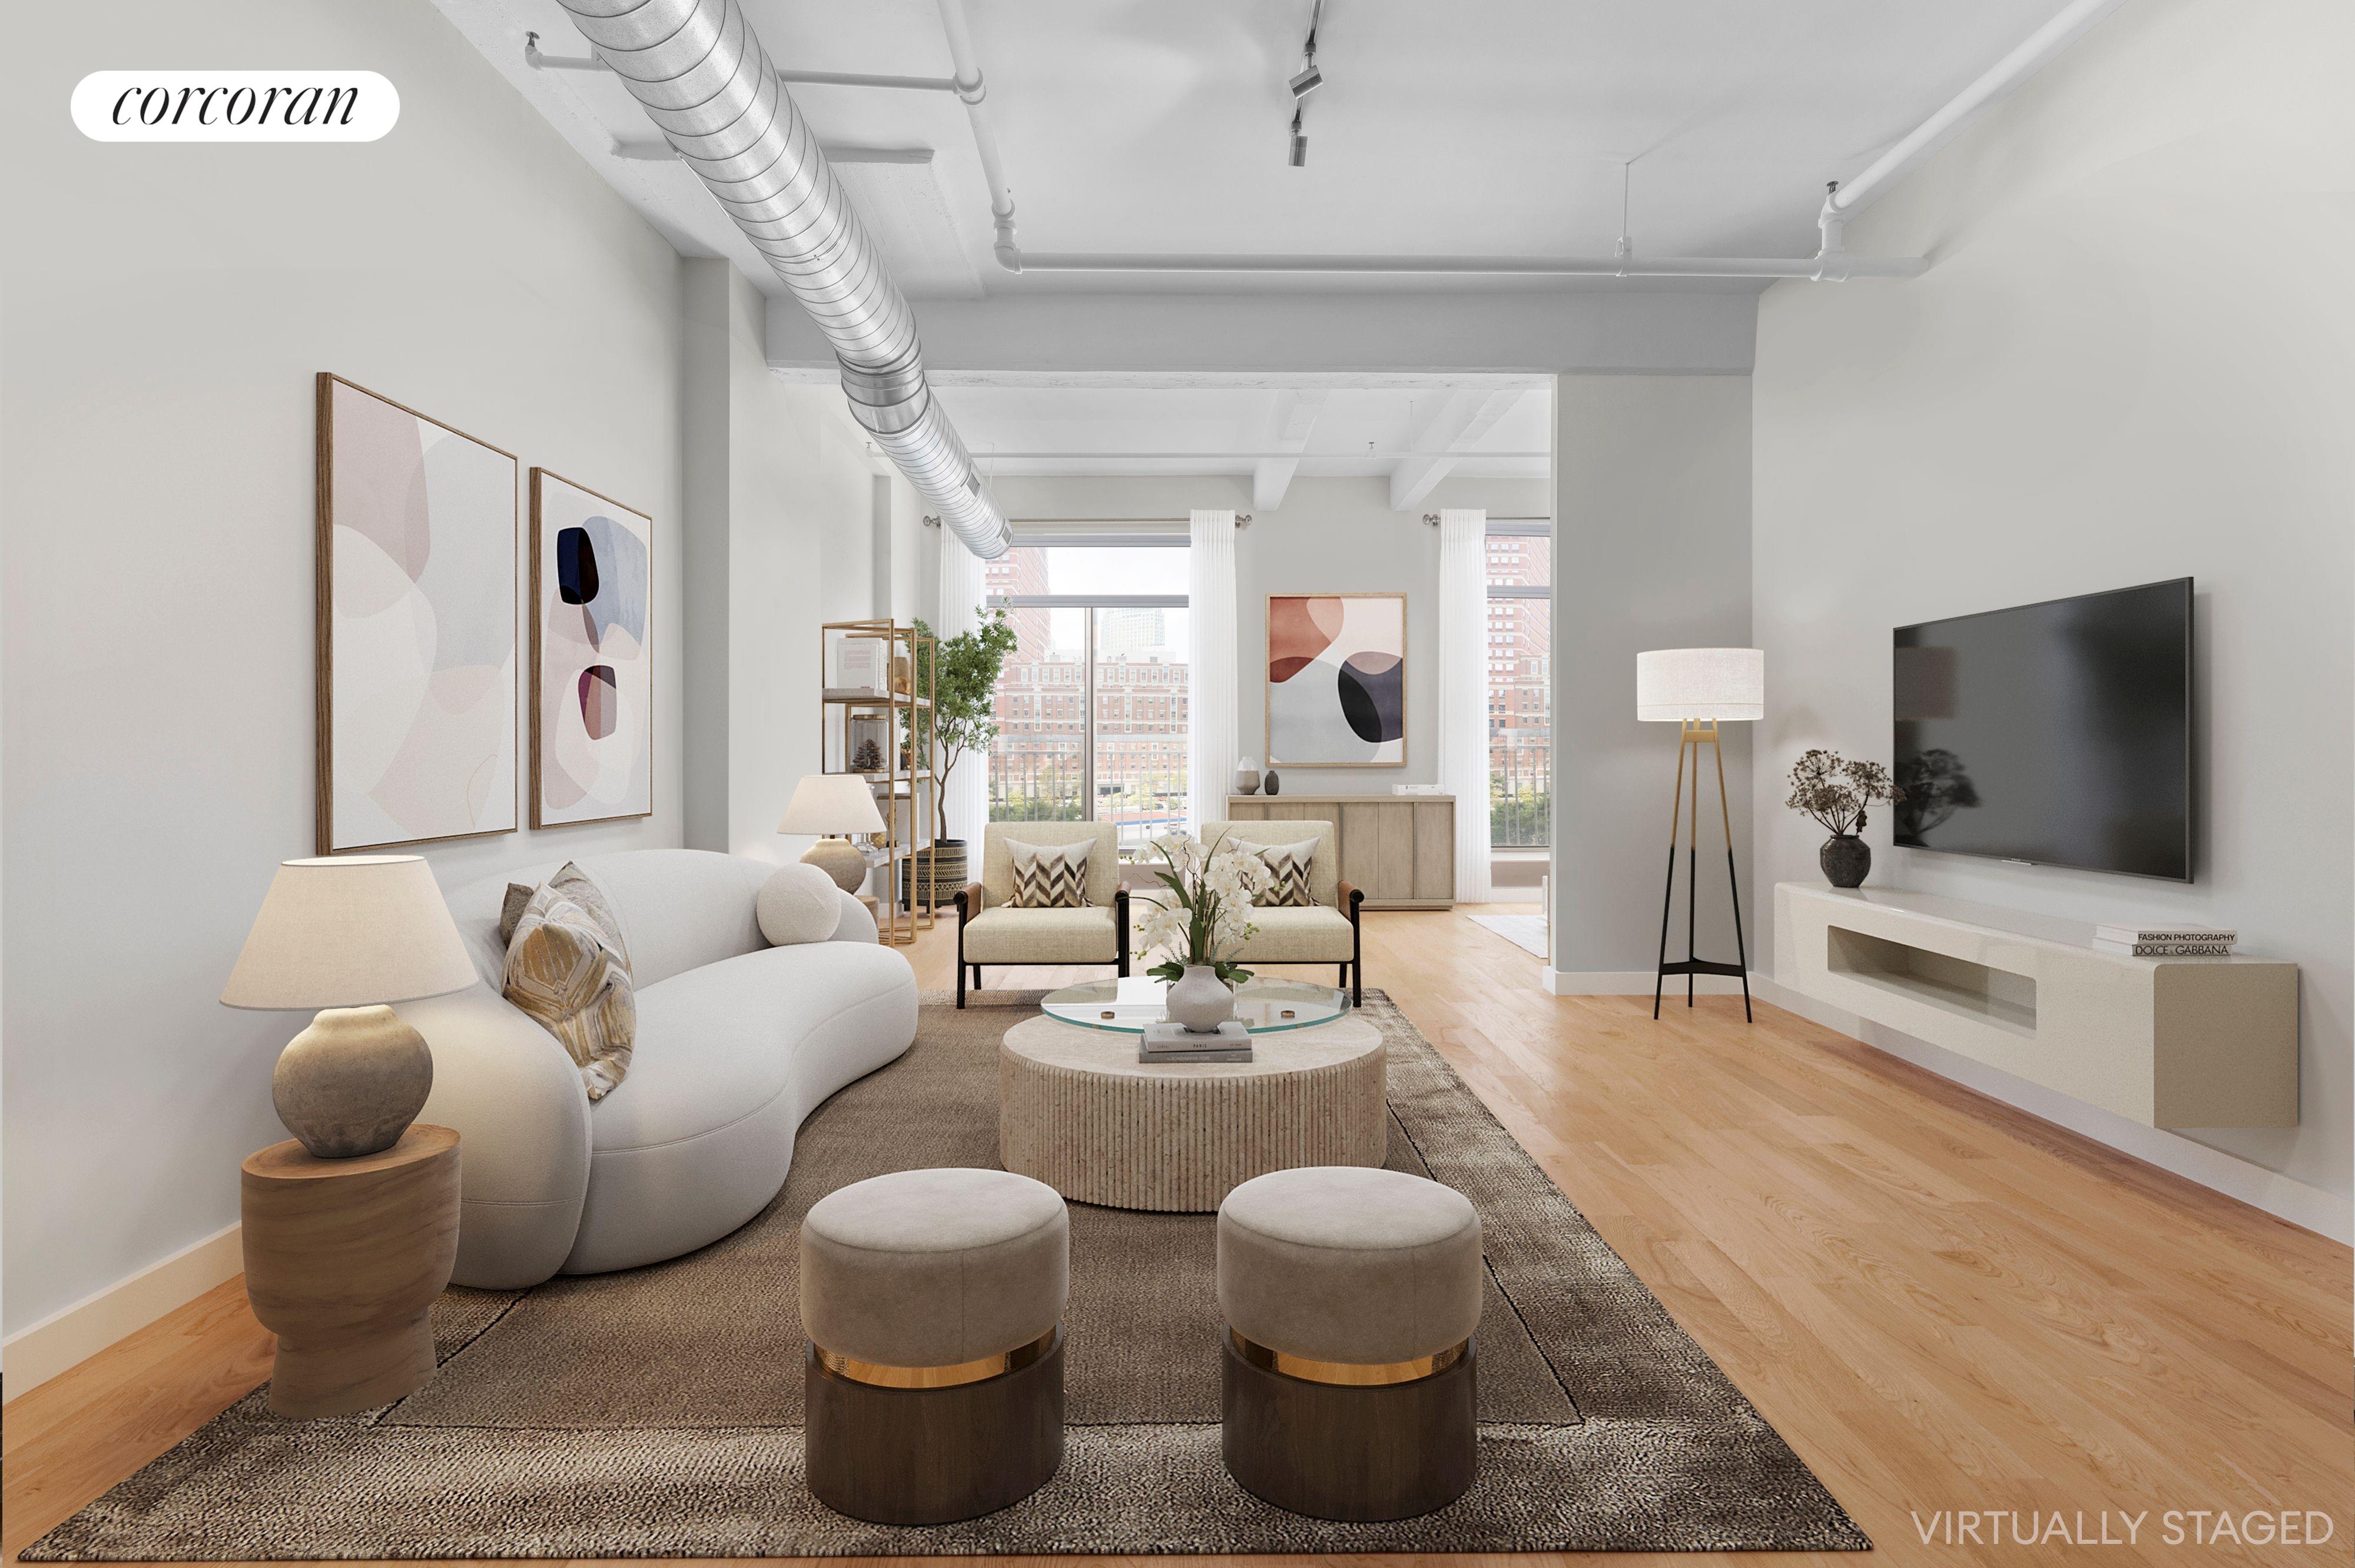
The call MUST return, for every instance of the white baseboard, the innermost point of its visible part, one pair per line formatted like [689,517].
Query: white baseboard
[2324,1213]
[40,1351]
[1631,982]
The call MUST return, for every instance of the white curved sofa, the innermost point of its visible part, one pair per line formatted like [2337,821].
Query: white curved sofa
[737,1042]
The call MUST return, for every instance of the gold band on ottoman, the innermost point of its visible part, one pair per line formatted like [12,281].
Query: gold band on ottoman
[883,1376]
[1362,1374]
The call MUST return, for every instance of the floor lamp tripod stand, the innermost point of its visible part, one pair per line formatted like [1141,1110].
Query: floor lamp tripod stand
[1700,690]
[1694,735]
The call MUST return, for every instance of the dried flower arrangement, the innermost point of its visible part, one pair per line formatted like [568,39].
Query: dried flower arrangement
[1835,791]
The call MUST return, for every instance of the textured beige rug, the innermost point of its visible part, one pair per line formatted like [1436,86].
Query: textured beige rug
[658,1411]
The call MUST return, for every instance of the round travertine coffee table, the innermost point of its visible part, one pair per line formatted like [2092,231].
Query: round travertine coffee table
[1078,1111]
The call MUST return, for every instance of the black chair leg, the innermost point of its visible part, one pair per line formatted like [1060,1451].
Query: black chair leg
[960,969]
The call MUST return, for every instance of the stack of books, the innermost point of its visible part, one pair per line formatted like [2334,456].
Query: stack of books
[1174,1042]
[2166,941]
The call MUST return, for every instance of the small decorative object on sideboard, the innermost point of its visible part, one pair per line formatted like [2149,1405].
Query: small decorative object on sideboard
[1268,782]
[1203,914]
[1246,776]
[1835,792]
[344,937]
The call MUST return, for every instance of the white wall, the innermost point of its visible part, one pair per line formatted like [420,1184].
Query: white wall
[166,309]
[780,508]
[2133,359]
[1651,550]
[1330,535]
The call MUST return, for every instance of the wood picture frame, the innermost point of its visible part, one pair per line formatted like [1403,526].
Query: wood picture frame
[1371,683]
[426,539]
[566,743]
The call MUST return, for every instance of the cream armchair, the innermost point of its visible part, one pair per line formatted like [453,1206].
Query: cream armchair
[1325,933]
[991,931]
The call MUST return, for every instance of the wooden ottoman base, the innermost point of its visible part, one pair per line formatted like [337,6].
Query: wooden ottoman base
[932,1456]
[1350,1451]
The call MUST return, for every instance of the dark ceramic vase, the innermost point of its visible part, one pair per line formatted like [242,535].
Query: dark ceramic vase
[1269,783]
[1845,859]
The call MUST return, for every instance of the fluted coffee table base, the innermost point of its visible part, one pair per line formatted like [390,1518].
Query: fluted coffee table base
[1078,1111]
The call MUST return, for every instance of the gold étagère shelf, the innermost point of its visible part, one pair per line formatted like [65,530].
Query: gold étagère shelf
[896,720]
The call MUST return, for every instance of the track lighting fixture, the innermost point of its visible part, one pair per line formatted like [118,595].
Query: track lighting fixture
[1309,79]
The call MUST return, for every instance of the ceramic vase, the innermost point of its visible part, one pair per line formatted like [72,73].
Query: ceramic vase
[1268,782]
[1845,859]
[1199,1000]
[1246,777]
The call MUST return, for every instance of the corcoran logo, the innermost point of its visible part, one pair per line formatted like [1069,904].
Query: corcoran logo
[235,105]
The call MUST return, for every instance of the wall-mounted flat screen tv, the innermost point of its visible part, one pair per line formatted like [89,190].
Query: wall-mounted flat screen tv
[2058,733]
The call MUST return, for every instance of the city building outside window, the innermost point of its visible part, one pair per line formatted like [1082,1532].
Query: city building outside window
[1520,706]
[1092,705]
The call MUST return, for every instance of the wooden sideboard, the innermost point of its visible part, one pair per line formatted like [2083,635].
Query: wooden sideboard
[1399,850]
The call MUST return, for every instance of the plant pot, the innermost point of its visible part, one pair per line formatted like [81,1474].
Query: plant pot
[933,876]
[1199,1000]
[1845,859]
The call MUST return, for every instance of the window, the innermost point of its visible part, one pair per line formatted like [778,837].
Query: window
[1520,705]
[1091,708]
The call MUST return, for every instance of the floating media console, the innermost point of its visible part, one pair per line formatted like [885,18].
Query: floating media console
[2164,1042]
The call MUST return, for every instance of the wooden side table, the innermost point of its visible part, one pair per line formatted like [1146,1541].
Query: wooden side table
[343,1261]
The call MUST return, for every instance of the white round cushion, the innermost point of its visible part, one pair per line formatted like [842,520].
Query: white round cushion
[931,1268]
[1343,1263]
[797,904]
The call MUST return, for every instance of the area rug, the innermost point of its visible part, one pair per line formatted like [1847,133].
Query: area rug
[658,1412]
[1527,932]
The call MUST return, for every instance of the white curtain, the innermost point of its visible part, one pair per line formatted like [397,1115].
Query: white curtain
[962,587]
[1464,691]
[1211,668]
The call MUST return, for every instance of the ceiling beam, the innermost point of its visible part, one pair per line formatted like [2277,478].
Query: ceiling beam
[1289,424]
[1459,419]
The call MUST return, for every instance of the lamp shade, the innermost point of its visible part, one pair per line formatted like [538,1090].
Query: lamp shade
[349,931]
[1677,683]
[832,803]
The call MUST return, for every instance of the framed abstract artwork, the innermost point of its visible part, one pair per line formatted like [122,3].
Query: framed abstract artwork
[592,735]
[416,626]
[1336,680]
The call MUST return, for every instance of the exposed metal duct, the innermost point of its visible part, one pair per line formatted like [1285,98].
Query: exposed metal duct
[711,89]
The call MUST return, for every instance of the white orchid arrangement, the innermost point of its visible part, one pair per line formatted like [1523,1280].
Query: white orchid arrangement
[1206,912]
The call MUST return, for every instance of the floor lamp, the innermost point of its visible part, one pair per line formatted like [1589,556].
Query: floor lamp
[1697,690]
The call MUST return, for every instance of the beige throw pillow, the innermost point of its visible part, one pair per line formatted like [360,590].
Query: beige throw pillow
[1287,871]
[566,974]
[798,903]
[573,886]
[1049,877]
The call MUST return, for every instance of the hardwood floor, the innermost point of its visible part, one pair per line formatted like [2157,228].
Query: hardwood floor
[1942,1303]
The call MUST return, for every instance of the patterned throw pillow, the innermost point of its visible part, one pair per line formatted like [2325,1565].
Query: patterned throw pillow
[573,886]
[566,973]
[1049,877]
[1287,870]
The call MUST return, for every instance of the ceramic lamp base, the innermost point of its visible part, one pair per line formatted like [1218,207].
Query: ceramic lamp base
[352,1083]
[839,859]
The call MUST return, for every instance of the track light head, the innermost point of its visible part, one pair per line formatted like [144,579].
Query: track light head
[1307,81]
[1299,150]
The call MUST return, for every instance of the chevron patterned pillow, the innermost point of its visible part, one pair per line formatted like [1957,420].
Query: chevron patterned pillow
[1049,877]
[568,976]
[1287,869]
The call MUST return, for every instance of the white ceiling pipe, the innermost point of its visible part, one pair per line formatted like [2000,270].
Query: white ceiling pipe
[2006,74]
[973,91]
[1631,266]
[703,78]
[533,57]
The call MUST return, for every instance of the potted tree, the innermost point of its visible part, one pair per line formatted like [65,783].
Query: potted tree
[961,675]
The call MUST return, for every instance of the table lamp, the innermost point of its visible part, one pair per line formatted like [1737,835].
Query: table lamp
[345,935]
[1697,689]
[834,805]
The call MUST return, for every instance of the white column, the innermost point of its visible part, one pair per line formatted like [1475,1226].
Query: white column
[1464,691]
[963,587]
[1211,668]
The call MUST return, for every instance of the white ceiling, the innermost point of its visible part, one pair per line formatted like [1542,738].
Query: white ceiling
[1493,127]
[1467,127]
